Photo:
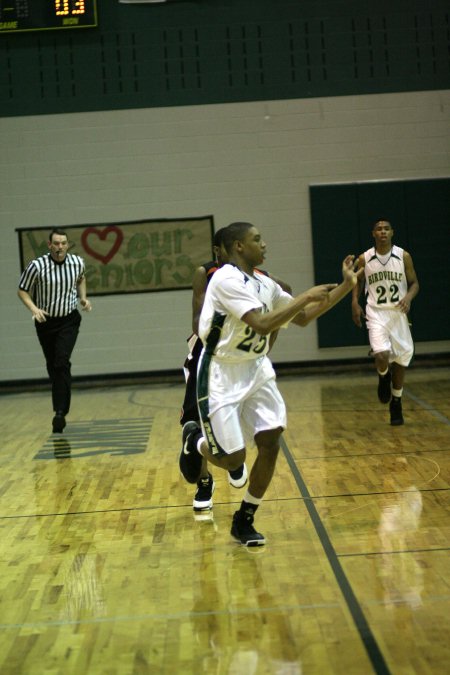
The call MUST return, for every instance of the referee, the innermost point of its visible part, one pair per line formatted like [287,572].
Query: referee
[50,287]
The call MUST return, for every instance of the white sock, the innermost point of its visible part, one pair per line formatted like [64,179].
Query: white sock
[384,372]
[252,500]
[397,392]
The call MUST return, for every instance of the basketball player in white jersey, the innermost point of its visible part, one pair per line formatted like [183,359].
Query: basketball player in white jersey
[237,395]
[390,286]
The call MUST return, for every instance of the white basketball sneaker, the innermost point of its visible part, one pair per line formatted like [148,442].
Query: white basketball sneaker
[238,477]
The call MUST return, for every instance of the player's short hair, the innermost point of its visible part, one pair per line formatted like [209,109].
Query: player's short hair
[235,232]
[58,231]
[382,219]
[218,237]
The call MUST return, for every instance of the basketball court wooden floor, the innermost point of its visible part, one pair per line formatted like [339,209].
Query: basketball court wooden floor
[104,570]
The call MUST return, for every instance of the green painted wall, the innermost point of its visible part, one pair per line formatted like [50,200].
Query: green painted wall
[216,51]
[419,211]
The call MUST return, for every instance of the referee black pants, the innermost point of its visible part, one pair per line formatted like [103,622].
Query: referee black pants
[57,336]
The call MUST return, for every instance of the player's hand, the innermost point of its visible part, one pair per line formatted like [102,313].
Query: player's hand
[39,315]
[349,273]
[320,293]
[404,305]
[357,315]
[86,305]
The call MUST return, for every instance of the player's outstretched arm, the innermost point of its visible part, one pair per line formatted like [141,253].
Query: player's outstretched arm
[349,280]
[263,324]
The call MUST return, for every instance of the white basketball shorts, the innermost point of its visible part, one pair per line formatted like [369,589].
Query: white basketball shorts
[389,331]
[243,399]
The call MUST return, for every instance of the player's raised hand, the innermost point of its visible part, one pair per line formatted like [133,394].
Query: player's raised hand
[349,267]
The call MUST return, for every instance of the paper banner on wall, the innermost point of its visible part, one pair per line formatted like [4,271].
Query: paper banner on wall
[134,257]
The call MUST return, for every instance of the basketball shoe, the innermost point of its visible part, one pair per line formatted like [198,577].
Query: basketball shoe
[395,408]
[243,531]
[384,387]
[203,496]
[190,459]
[238,477]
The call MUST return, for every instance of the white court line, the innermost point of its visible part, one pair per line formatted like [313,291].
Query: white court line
[428,407]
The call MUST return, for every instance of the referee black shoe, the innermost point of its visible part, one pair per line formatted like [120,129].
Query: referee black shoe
[190,459]
[243,531]
[58,422]
[384,387]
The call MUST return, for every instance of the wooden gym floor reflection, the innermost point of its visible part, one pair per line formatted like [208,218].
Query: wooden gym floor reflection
[105,570]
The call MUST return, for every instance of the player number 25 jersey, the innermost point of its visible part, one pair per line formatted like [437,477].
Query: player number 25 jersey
[232,293]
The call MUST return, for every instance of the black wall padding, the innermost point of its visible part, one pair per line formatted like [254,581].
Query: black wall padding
[342,217]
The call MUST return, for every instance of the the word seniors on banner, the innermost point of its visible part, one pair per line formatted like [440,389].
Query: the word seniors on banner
[133,257]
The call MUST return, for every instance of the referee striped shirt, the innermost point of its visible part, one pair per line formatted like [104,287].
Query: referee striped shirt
[52,284]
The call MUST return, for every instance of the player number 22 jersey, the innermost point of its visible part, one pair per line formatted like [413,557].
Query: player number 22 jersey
[386,282]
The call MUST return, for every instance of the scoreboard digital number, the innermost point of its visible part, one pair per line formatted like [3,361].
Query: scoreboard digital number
[17,16]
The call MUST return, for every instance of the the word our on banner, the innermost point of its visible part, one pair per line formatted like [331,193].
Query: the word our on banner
[133,257]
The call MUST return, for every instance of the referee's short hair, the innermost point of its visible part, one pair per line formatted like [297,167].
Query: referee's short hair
[57,230]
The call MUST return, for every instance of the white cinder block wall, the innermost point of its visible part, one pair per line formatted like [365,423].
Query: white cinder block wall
[245,161]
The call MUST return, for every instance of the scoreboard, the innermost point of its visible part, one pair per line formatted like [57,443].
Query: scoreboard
[17,16]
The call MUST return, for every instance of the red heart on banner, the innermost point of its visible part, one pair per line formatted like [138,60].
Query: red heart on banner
[102,234]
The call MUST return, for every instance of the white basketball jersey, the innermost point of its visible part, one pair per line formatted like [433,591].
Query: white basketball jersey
[386,282]
[230,294]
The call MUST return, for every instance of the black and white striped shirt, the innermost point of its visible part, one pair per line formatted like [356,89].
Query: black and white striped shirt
[53,285]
